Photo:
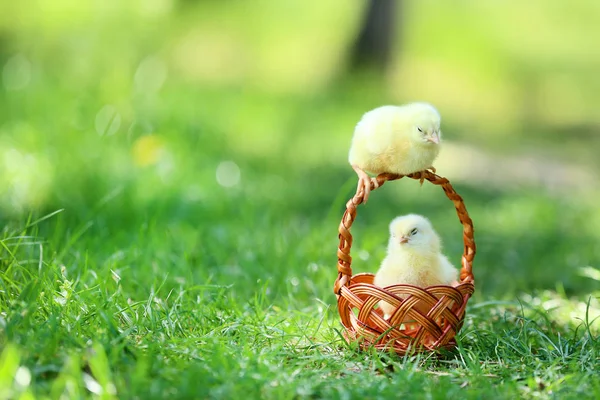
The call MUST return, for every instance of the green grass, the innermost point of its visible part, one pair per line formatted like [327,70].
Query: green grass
[144,317]
[153,281]
[130,268]
[140,285]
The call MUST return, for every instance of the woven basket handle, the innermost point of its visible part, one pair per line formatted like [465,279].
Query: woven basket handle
[344,258]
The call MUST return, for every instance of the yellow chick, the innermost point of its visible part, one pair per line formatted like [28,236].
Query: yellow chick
[394,139]
[414,257]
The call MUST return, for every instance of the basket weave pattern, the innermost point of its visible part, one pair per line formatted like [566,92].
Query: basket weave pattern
[425,318]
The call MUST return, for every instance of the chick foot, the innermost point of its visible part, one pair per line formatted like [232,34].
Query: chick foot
[364,183]
[430,169]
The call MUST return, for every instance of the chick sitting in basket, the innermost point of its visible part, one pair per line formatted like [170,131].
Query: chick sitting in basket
[414,257]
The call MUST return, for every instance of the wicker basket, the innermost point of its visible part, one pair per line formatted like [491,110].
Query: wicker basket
[426,319]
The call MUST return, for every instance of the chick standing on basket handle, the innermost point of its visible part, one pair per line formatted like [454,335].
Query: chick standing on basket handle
[394,139]
[414,257]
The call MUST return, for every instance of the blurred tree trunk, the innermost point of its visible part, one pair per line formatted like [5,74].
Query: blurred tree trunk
[374,44]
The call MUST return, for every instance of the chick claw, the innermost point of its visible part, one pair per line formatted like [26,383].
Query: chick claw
[364,187]
[422,179]
[364,183]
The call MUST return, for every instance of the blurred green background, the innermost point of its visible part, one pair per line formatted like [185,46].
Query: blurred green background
[194,142]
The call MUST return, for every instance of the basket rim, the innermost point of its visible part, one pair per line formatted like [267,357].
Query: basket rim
[344,264]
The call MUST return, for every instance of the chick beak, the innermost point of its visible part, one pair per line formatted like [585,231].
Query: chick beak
[435,138]
[403,239]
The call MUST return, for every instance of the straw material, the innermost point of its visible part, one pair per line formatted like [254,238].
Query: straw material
[425,319]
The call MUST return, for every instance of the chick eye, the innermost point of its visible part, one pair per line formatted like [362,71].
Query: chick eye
[419,129]
[414,231]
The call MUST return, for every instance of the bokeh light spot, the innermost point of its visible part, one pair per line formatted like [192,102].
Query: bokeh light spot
[150,74]
[363,255]
[228,174]
[108,120]
[23,377]
[25,179]
[147,150]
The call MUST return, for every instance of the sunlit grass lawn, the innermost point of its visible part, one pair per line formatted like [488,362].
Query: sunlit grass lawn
[199,262]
